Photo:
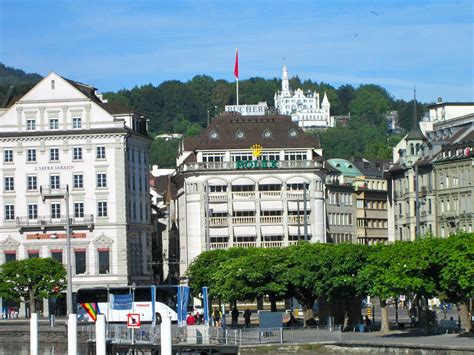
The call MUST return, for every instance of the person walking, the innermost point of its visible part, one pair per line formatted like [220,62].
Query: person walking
[216,316]
[235,317]
[247,315]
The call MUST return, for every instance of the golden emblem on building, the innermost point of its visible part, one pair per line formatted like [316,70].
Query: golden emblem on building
[256,150]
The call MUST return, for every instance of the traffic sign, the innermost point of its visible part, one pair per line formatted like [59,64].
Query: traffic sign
[133,320]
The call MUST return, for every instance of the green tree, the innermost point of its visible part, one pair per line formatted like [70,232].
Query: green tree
[163,152]
[371,103]
[30,280]
[455,256]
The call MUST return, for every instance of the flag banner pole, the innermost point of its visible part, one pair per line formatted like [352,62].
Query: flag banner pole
[236,74]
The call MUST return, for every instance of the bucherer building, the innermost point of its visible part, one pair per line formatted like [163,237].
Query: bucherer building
[61,142]
[249,181]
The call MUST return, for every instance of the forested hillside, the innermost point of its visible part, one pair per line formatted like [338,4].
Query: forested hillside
[184,107]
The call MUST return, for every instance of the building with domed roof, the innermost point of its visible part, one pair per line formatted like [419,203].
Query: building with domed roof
[304,108]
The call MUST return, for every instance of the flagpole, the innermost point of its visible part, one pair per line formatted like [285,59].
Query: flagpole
[236,74]
[237,89]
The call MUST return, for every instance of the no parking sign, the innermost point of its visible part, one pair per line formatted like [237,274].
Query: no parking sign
[133,320]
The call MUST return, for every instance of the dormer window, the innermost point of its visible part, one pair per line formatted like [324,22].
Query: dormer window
[267,134]
[240,134]
[292,133]
[214,135]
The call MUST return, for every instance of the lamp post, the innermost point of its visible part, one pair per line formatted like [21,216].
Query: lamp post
[72,318]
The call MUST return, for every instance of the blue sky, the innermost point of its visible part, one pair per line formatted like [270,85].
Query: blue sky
[119,44]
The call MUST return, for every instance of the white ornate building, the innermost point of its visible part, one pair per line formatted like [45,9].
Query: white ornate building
[248,181]
[303,107]
[61,141]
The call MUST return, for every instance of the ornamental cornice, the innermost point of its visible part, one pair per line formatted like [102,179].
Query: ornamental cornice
[81,136]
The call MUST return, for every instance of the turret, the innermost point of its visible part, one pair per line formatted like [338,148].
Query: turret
[325,105]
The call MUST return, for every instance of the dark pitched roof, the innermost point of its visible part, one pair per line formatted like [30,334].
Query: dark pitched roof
[372,168]
[233,131]
[415,131]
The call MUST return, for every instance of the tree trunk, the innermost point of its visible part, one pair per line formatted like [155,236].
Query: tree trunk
[308,312]
[32,302]
[273,303]
[384,324]
[466,325]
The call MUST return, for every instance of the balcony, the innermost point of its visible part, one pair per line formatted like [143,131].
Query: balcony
[295,195]
[245,244]
[232,165]
[271,195]
[54,192]
[271,220]
[273,244]
[244,220]
[47,222]
[217,196]
[217,246]
[218,221]
[296,219]
[244,195]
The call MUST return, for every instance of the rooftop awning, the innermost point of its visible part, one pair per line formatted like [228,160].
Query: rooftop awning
[271,205]
[293,206]
[245,231]
[219,232]
[272,230]
[243,205]
[218,207]
[293,230]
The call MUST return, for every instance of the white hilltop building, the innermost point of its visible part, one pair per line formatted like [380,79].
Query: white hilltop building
[303,107]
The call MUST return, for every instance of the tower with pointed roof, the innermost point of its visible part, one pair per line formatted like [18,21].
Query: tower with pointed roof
[415,137]
[304,107]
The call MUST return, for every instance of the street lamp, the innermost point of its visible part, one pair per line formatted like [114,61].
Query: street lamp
[72,318]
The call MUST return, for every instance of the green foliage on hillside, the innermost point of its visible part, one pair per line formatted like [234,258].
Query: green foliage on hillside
[186,107]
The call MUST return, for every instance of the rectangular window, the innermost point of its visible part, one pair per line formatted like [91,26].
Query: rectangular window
[57,255]
[78,181]
[54,182]
[32,254]
[102,209]
[31,155]
[9,212]
[79,209]
[54,154]
[101,180]
[80,256]
[104,261]
[212,157]
[9,183]
[295,155]
[8,156]
[55,210]
[77,153]
[10,256]
[100,153]
[53,123]
[31,125]
[76,122]
[32,211]
[32,183]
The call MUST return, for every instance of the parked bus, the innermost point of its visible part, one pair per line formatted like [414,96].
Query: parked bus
[166,301]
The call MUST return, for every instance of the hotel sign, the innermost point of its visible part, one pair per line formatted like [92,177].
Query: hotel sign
[248,110]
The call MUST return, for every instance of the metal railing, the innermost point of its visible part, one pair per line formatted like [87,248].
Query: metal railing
[148,334]
[45,221]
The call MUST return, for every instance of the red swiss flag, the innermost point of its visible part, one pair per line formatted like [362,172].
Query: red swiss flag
[236,67]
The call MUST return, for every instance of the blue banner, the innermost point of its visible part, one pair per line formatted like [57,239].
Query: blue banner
[205,305]
[183,296]
[121,302]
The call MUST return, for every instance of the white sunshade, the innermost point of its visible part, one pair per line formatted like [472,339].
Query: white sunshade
[244,205]
[270,181]
[272,230]
[219,232]
[243,181]
[293,206]
[297,180]
[216,182]
[218,207]
[245,231]
[293,230]
[271,205]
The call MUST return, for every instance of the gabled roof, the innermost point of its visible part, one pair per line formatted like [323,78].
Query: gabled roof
[233,131]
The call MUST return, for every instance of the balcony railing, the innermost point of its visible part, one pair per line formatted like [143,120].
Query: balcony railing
[243,220]
[270,195]
[232,165]
[296,219]
[271,219]
[295,195]
[273,244]
[218,221]
[244,195]
[53,191]
[245,244]
[216,246]
[217,196]
[48,221]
